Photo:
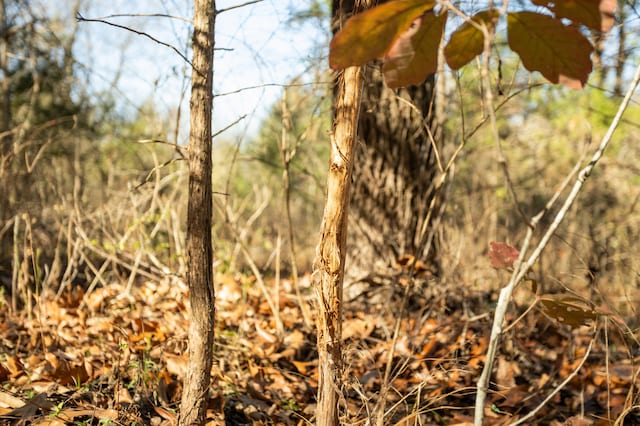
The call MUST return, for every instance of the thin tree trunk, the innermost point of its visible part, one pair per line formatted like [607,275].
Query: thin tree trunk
[328,274]
[199,220]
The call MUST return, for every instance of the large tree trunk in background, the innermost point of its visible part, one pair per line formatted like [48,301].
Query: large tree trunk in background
[199,220]
[393,171]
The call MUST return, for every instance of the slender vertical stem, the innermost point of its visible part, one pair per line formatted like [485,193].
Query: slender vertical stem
[199,220]
[328,273]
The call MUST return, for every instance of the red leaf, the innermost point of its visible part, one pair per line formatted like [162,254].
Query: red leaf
[595,14]
[414,55]
[467,41]
[370,34]
[502,255]
[560,53]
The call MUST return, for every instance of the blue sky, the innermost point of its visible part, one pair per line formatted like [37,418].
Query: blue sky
[256,47]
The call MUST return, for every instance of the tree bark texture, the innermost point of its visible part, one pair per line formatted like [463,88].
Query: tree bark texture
[199,220]
[394,170]
[328,274]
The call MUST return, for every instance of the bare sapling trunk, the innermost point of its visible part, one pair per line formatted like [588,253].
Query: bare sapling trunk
[199,221]
[328,273]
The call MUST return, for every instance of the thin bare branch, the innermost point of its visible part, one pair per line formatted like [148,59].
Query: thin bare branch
[81,18]
[238,6]
[224,129]
[145,15]
[557,389]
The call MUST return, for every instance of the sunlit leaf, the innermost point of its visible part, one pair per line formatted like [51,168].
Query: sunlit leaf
[414,55]
[467,41]
[502,255]
[370,34]
[595,14]
[560,53]
[568,310]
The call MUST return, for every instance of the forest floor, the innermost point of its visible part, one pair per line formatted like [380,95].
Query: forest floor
[117,357]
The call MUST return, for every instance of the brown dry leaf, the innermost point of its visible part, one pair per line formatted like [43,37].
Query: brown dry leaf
[31,407]
[462,420]
[176,364]
[543,380]
[578,421]
[504,375]
[64,372]
[100,326]
[480,348]
[14,365]
[123,395]
[357,328]
[254,369]
[168,415]
[617,375]
[265,336]
[303,367]
[69,414]
[50,422]
[72,298]
[4,373]
[295,340]
[570,310]
[10,401]
[515,396]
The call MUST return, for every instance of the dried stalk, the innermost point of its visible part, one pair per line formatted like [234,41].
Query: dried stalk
[328,275]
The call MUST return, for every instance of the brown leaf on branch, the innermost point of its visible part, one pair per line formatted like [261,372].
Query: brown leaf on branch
[414,55]
[502,255]
[467,41]
[370,34]
[595,14]
[559,52]
[569,310]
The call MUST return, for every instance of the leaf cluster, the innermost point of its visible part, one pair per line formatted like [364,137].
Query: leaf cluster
[406,35]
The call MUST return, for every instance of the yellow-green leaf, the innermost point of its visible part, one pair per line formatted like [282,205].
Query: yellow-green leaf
[467,41]
[595,14]
[559,52]
[414,55]
[370,34]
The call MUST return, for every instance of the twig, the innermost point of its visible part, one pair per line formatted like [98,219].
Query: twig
[81,18]
[237,6]
[557,389]
[146,15]
[237,120]
[262,86]
[287,155]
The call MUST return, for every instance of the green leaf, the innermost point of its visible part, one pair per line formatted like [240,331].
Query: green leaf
[414,55]
[467,41]
[560,53]
[595,14]
[370,34]
[568,310]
